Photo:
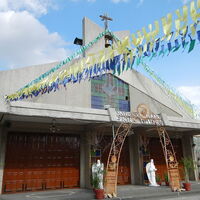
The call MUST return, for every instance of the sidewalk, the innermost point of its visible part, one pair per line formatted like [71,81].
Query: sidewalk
[128,192]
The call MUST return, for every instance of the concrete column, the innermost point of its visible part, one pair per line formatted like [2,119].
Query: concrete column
[88,160]
[187,142]
[85,160]
[135,160]
[3,136]
[82,161]
[131,149]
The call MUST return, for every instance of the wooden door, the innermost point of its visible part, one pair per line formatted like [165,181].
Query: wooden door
[40,162]
[156,153]
[124,174]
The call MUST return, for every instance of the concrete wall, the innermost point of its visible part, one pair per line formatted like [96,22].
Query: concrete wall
[82,161]
[77,95]
[132,157]
[3,135]
[187,145]
[135,160]
[85,171]
[137,97]
[148,87]
[90,32]
[13,80]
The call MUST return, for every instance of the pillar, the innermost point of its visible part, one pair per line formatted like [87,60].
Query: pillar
[2,155]
[130,140]
[187,144]
[135,160]
[85,160]
[82,161]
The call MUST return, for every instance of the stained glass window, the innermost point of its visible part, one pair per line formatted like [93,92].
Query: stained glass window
[109,90]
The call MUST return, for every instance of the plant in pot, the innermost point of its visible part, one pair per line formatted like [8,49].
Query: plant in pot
[166,178]
[97,179]
[188,165]
[99,192]
[158,179]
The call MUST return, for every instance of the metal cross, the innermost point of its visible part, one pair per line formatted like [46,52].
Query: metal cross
[105,18]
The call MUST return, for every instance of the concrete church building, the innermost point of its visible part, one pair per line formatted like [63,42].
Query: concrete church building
[50,141]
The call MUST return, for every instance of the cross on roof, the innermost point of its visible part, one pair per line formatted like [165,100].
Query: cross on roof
[105,18]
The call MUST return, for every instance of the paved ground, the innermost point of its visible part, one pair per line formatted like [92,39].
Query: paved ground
[130,192]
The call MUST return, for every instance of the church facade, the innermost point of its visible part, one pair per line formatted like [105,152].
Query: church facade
[51,141]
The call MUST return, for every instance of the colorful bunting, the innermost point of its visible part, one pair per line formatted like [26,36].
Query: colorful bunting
[144,44]
[183,102]
[66,61]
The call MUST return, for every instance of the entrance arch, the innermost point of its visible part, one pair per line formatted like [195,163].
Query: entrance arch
[147,117]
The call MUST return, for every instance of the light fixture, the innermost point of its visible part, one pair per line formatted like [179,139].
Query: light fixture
[53,128]
[78,41]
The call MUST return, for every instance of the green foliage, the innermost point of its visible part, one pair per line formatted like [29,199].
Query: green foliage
[166,177]
[158,179]
[189,164]
[95,179]
[95,182]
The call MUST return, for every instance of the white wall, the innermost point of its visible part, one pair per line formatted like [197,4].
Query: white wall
[150,88]
[137,97]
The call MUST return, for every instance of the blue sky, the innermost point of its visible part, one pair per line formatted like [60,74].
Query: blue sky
[40,31]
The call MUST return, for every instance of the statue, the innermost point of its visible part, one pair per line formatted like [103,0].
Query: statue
[151,169]
[97,172]
[198,165]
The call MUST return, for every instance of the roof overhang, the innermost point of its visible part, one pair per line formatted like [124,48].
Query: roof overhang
[38,112]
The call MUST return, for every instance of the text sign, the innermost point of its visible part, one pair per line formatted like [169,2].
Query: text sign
[135,118]
[111,182]
[174,179]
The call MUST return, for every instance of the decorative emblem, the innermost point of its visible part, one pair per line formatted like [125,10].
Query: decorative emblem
[114,159]
[143,111]
[171,158]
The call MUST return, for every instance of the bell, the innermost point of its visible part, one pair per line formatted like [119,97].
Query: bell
[108,40]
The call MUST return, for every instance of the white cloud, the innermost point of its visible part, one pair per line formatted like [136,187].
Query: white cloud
[192,93]
[118,1]
[25,41]
[36,7]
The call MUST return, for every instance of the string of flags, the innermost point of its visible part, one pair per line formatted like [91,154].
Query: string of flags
[182,101]
[168,36]
[67,60]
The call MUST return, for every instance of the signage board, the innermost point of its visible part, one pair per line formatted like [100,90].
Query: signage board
[111,182]
[174,179]
[135,118]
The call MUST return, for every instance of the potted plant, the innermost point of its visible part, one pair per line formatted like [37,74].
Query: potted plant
[166,179]
[97,179]
[99,193]
[188,164]
[158,179]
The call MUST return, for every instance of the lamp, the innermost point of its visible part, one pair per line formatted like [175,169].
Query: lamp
[53,128]
[78,41]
